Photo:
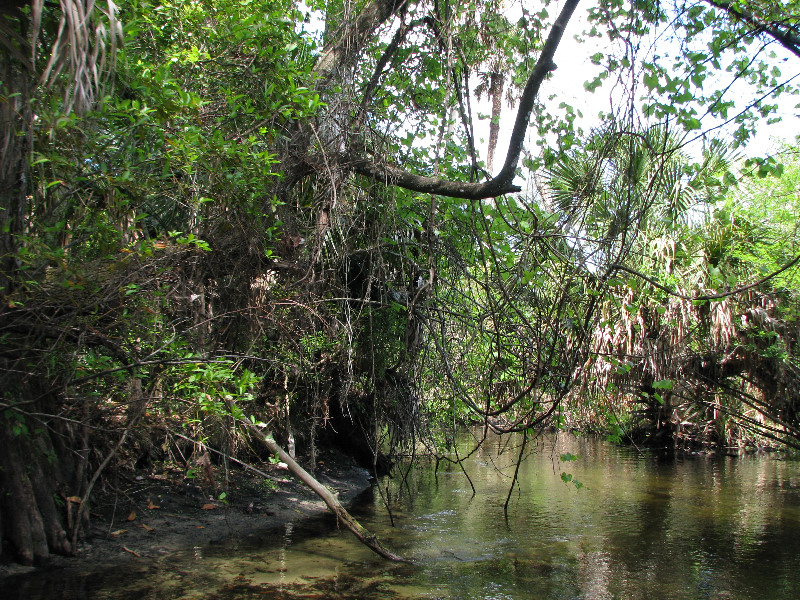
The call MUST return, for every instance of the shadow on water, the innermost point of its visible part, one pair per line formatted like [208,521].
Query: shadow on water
[638,526]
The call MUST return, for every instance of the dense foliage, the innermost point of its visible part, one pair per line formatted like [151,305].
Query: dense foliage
[281,212]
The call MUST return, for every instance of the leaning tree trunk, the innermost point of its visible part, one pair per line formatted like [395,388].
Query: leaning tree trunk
[344,517]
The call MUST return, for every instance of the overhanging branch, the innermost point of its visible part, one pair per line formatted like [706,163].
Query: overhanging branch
[503,182]
[785,38]
[394,175]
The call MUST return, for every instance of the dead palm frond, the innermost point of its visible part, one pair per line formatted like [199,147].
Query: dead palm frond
[82,53]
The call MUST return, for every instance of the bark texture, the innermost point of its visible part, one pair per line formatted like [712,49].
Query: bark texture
[30,479]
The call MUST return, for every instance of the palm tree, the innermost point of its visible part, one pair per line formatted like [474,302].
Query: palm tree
[620,184]
[636,203]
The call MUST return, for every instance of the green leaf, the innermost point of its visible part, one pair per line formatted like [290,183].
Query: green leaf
[692,124]
[650,81]
[664,384]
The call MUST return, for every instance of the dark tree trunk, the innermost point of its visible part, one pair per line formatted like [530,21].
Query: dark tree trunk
[30,522]
[30,478]
[16,87]
[496,85]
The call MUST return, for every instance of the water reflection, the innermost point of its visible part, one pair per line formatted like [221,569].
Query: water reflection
[641,526]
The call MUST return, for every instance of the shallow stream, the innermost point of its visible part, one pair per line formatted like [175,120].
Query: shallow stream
[635,526]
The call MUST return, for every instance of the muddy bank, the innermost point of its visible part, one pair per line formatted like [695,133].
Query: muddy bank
[147,514]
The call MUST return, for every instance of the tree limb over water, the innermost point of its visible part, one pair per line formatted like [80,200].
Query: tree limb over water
[503,182]
[719,296]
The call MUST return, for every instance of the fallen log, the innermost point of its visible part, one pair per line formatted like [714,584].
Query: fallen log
[364,536]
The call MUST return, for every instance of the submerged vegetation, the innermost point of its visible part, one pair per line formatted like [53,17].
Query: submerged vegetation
[279,213]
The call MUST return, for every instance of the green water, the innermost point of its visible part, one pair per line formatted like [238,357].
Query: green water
[640,527]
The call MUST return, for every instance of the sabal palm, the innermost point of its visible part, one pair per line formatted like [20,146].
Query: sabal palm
[625,189]
[81,53]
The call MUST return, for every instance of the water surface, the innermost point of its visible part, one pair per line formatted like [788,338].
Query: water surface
[636,526]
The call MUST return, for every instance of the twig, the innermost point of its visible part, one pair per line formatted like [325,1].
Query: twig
[87,493]
[516,473]
[131,551]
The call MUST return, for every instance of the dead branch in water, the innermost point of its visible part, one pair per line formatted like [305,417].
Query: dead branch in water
[364,536]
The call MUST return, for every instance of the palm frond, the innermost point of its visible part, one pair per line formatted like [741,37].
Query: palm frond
[573,182]
[84,50]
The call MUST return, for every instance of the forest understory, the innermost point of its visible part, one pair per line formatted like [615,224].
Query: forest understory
[239,231]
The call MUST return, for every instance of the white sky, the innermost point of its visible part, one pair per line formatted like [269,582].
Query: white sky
[575,68]
[566,83]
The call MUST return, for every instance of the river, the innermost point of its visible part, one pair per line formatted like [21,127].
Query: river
[612,523]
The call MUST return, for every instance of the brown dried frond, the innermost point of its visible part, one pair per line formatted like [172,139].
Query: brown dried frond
[85,49]
[722,329]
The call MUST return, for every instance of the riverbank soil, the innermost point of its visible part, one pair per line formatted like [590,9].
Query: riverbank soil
[152,512]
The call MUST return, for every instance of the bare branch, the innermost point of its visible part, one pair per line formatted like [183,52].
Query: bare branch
[388,54]
[738,290]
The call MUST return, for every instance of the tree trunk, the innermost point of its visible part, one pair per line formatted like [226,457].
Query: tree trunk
[496,85]
[330,500]
[16,143]
[29,478]
[30,522]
